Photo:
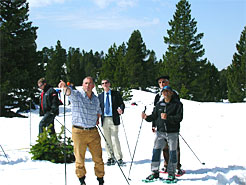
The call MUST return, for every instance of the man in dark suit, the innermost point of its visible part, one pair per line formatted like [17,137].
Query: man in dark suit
[112,106]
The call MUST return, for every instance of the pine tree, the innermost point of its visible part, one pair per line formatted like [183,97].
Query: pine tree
[223,84]
[236,73]
[19,59]
[55,67]
[120,75]
[135,59]
[182,60]
[109,65]
[91,63]
[114,69]
[74,69]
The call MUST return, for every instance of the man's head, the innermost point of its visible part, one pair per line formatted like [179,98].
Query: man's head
[41,83]
[167,92]
[88,84]
[106,85]
[163,81]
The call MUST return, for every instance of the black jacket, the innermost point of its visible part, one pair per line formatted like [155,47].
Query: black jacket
[117,101]
[157,99]
[50,101]
[174,110]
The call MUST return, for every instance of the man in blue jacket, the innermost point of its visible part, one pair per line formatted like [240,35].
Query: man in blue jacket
[112,107]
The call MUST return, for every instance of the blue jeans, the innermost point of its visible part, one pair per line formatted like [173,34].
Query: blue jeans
[162,138]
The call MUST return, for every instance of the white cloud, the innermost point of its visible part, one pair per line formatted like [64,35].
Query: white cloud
[119,3]
[98,22]
[109,23]
[42,3]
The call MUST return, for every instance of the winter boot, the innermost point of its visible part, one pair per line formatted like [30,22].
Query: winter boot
[164,169]
[121,162]
[171,179]
[154,175]
[100,180]
[82,180]
[180,172]
[110,162]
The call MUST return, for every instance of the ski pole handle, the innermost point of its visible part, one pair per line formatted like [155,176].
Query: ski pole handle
[144,109]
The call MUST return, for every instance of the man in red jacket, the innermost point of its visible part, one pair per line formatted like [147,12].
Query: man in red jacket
[49,106]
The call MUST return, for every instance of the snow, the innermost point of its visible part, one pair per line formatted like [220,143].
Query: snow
[214,131]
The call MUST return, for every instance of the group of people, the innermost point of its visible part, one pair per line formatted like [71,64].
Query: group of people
[87,109]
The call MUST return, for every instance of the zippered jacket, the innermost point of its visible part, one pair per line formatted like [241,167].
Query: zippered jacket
[50,103]
[174,110]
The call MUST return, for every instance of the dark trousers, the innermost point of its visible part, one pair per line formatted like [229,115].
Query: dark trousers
[166,156]
[46,121]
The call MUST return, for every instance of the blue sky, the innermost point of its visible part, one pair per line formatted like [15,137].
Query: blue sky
[98,24]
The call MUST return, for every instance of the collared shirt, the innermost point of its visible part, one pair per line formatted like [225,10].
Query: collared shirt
[110,103]
[84,110]
[161,96]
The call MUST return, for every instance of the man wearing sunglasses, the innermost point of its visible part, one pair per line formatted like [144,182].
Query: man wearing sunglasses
[49,106]
[112,107]
[164,81]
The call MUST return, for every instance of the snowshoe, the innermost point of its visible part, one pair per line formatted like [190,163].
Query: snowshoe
[170,180]
[180,172]
[152,177]
[163,170]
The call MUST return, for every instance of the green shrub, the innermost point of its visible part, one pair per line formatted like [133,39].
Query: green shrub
[51,147]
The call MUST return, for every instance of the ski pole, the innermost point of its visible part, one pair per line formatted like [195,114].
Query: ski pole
[136,145]
[4,153]
[30,121]
[64,122]
[126,137]
[65,149]
[111,151]
[192,150]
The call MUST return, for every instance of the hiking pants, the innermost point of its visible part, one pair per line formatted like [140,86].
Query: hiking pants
[91,139]
[163,138]
[46,121]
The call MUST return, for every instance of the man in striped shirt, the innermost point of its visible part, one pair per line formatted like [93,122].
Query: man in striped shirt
[86,112]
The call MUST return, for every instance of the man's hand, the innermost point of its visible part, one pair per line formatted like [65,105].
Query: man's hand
[66,90]
[143,115]
[120,111]
[163,115]
[62,84]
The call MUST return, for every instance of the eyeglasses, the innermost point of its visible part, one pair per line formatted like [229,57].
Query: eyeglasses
[40,85]
[104,83]
[162,82]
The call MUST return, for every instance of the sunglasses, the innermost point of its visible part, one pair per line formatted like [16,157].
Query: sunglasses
[104,83]
[162,82]
[40,85]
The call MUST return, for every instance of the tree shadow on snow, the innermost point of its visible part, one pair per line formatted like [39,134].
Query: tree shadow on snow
[215,170]
[219,177]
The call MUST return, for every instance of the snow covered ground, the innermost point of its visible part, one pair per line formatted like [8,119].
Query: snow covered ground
[214,131]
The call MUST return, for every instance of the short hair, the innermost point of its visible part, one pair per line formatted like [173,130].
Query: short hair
[106,79]
[89,78]
[163,77]
[42,80]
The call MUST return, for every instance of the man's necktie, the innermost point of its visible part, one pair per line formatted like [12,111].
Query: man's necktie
[107,104]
